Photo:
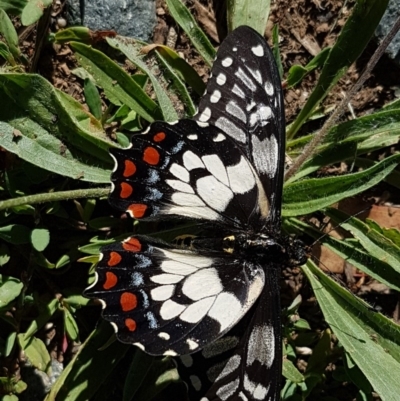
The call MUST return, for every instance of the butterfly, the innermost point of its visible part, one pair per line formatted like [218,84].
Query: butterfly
[223,169]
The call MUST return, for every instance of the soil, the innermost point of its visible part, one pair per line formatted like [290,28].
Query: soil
[305,27]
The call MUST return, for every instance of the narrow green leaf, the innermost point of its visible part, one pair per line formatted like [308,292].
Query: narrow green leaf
[71,327]
[10,288]
[115,81]
[297,72]
[371,339]
[10,342]
[73,34]
[253,13]
[40,238]
[92,98]
[184,18]
[275,49]
[372,241]
[6,54]
[131,50]
[4,254]
[10,34]
[323,192]
[352,40]
[33,11]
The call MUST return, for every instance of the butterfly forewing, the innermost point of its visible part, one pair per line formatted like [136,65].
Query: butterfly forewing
[244,99]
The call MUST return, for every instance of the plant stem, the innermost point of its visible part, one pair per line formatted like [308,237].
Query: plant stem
[329,123]
[54,196]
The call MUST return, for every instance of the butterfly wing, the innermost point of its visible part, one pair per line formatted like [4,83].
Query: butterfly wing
[244,99]
[169,301]
[187,171]
[246,363]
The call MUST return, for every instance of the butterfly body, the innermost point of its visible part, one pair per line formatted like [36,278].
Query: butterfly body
[216,297]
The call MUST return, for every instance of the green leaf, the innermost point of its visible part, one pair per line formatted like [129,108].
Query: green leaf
[371,339]
[118,86]
[33,11]
[6,53]
[131,50]
[40,238]
[15,234]
[253,13]
[73,33]
[4,254]
[323,192]
[10,288]
[51,130]
[297,72]
[184,18]
[14,7]
[89,368]
[377,244]
[291,372]
[71,327]
[10,34]
[9,345]
[36,351]
[92,98]
[352,40]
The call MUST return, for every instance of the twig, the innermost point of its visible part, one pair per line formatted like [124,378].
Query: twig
[317,139]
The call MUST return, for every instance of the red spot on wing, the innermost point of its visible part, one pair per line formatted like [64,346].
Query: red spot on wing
[159,137]
[128,301]
[137,210]
[111,281]
[133,245]
[130,324]
[130,168]
[126,190]
[115,258]
[151,156]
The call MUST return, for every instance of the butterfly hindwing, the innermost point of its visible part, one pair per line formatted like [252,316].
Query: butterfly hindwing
[170,301]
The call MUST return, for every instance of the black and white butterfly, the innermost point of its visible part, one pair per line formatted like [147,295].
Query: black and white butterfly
[219,298]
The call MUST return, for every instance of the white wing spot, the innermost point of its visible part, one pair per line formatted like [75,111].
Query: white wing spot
[234,49]
[192,161]
[201,124]
[192,137]
[180,186]
[215,166]
[182,199]
[214,193]
[219,138]
[192,344]
[231,129]
[170,352]
[164,336]
[241,177]
[205,115]
[179,172]
[234,110]
[221,79]
[265,155]
[261,346]
[262,116]
[227,310]
[174,267]
[202,284]
[227,62]
[196,311]
[237,91]
[226,392]
[166,278]
[232,364]
[269,88]
[215,96]
[258,50]
[162,293]
[170,309]
[246,79]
